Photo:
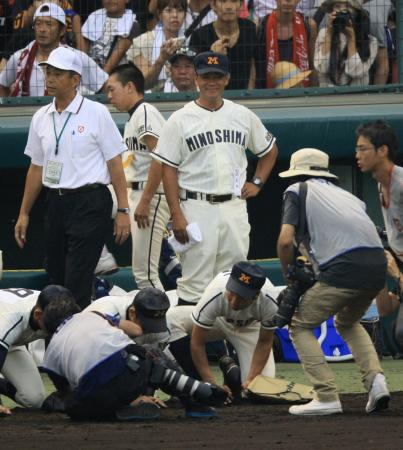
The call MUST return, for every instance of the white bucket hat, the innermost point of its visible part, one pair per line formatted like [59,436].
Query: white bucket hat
[50,10]
[308,161]
[65,59]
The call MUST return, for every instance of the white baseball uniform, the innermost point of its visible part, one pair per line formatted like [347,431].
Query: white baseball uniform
[393,213]
[208,150]
[241,327]
[16,331]
[145,120]
[116,306]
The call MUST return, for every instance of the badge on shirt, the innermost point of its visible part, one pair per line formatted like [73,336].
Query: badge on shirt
[237,181]
[53,172]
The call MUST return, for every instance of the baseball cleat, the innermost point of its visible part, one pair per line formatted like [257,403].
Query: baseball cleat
[316,408]
[379,396]
[143,411]
[199,411]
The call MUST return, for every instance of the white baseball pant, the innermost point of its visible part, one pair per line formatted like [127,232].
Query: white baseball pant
[146,242]
[20,369]
[225,241]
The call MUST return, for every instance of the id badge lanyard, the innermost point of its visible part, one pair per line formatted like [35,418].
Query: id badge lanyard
[61,132]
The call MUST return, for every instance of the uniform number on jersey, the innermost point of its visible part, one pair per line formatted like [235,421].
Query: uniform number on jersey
[19,292]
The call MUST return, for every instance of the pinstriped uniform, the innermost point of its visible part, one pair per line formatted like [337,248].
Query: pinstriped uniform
[19,367]
[145,120]
[208,149]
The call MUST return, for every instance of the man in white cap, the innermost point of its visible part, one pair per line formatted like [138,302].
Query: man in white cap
[23,75]
[330,226]
[75,150]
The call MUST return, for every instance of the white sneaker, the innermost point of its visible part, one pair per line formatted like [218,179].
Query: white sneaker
[379,396]
[106,265]
[316,408]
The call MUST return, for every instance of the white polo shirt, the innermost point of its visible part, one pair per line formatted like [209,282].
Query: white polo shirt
[145,120]
[81,343]
[90,139]
[208,147]
[214,304]
[15,310]
[92,77]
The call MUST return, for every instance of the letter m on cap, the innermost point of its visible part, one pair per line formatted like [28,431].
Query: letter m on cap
[212,60]
[244,278]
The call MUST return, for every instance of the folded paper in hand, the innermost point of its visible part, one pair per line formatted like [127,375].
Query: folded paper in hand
[195,237]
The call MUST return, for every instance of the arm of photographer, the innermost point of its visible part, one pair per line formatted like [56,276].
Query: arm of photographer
[285,246]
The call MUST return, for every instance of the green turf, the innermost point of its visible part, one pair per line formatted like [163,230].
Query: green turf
[347,376]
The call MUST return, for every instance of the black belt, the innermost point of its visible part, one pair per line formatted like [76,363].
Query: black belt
[212,198]
[79,190]
[137,185]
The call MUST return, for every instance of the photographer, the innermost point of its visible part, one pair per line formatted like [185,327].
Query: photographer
[342,243]
[344,50]
[376,153]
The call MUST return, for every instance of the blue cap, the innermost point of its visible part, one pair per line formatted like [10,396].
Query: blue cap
[209,62]
[246,280]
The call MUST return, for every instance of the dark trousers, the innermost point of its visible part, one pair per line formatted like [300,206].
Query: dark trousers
[76,226]
[118,392]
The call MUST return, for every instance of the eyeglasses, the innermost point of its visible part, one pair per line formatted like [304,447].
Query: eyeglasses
[364,149]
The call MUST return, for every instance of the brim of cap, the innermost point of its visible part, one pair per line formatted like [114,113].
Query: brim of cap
[241,290]
[292,81]
[60,66]
[211,70]
[152,325]
[314,173]
[175,57]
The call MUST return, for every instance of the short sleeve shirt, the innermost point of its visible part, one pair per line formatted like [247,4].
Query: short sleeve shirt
[208,147]
[145,120]
[240,55]
[90,139]
[15,309]
[213,304]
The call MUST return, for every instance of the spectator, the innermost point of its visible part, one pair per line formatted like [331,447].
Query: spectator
[72,35]
[286,75]
[183,75]
[197,8]
[233,37]
[24,77]
[285,35]
[345,51]
[151,51]
[108,33]
[6,30]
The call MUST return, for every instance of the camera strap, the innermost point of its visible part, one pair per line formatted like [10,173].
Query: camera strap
[301,230]
[197,21]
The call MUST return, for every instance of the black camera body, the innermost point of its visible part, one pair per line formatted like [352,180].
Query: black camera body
[342,20]
[302,278]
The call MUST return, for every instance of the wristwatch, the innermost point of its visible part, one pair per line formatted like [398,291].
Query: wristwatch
[257,182]
[124,210]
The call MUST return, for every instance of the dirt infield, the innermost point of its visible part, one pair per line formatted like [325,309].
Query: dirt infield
[237,427]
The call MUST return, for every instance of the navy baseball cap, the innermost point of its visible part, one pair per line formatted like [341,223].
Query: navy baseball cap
[151,306]
[246,280]
[209,62]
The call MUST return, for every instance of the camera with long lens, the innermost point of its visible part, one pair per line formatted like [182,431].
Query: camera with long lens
[302,278]
[342,20]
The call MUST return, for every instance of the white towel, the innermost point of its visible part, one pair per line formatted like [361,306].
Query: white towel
[195,237]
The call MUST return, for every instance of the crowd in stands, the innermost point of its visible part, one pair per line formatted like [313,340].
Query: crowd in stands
[270,44]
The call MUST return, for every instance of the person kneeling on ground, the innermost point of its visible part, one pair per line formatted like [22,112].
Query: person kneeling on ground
[107,372]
